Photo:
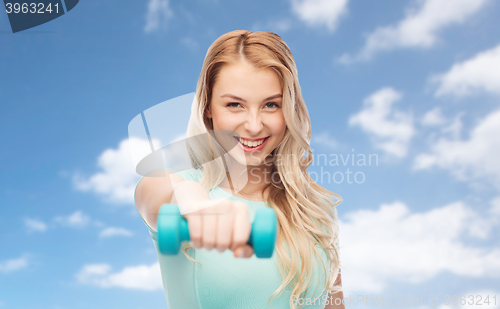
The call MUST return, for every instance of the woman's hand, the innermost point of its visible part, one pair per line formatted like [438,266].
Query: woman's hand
[225,225]
[221,224]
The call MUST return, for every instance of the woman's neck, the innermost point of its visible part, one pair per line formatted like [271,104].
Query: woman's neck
[247,181]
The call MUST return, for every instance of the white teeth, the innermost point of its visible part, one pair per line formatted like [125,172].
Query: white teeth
[250,143]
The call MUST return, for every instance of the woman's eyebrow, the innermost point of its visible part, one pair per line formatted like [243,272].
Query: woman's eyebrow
[232,96]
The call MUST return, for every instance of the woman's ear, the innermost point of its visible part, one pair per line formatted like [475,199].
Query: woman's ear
[208,113]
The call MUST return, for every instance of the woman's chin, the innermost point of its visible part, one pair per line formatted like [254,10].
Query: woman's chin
[248,160]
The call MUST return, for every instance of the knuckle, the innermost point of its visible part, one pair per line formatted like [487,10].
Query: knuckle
[224,244]
[239,241]
[209,243]
[196,238]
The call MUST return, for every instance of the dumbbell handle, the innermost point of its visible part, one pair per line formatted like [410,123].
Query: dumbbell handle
[173,229]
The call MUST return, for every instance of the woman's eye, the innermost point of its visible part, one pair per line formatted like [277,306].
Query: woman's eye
[232,104]
[269,105]
[272,103]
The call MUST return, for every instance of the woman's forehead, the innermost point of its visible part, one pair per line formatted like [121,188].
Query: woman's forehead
[244,81]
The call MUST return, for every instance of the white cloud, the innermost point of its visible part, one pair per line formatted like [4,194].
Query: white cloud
[142,277]
[320,13]
[454,127]
[480,73]
[451,127]
[434,117]
[420,27]
[117,181]
[390,129]
[115,231]
[76,220]
[392,244]
[324,139]
[475,158]
[159,13]
[495,207]
[34,225]
[13,264]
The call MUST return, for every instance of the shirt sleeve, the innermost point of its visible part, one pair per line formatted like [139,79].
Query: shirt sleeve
[191,174]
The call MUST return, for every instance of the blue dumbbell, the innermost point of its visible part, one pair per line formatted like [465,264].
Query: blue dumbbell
[173,229]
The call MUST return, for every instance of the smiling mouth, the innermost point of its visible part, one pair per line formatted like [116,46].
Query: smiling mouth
[250,144]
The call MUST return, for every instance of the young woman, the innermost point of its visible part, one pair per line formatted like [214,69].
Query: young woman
[248,104]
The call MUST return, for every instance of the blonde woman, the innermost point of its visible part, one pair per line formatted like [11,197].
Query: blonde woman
[248,103]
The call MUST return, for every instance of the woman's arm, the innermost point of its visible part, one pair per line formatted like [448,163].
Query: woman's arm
[164,187]
[154,190]
[337,298]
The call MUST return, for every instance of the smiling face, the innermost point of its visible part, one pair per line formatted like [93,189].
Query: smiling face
[246,109]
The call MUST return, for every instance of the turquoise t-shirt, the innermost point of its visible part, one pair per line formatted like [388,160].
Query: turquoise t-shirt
[226,282]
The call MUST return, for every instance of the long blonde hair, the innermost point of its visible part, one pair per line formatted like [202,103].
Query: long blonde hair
[306,212]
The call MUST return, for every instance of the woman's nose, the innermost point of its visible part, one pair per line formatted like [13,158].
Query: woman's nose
[253,124]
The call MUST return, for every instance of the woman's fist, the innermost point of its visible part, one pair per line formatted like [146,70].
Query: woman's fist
[223,225]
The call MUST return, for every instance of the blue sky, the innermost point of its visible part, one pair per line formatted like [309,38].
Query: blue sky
[416,83]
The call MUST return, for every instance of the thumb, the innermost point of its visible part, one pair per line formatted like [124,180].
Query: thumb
[245,251]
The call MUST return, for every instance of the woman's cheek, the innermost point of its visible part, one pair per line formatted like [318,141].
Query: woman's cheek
[280,126]
[228,121]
